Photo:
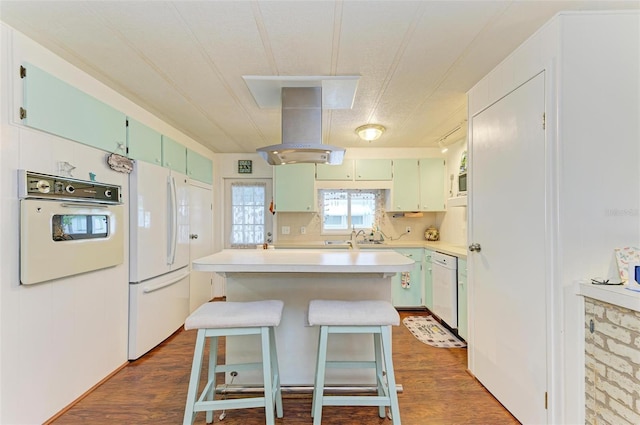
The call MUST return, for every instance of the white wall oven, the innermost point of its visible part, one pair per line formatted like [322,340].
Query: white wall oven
[67,226]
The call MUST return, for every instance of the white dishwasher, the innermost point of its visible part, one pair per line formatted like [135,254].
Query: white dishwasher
[445,288]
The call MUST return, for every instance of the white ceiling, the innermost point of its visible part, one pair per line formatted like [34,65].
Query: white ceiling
[184,60]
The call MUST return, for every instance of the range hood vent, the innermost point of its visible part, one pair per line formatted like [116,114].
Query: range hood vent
[302,131]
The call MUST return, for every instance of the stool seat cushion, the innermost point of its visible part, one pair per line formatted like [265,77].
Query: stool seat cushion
[352,313]
[222,314]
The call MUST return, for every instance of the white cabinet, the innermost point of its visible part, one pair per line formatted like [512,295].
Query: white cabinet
[295,188]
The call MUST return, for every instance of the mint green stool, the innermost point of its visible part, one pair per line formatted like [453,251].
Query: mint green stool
[216,319]
[356,317]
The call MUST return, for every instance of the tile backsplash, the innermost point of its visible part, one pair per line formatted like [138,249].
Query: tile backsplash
[392,226]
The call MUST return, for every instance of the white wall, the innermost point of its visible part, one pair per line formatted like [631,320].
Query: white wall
[453,223]
[59,338]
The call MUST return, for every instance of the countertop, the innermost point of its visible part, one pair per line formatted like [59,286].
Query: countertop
[304,261]
[459,251]
[613,294]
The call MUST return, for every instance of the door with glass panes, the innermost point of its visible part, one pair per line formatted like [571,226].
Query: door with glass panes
[248,216]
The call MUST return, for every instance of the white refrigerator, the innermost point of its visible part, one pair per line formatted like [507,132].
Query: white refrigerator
[158,254]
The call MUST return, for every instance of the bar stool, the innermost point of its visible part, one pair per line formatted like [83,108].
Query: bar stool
[215,319]
[356,317]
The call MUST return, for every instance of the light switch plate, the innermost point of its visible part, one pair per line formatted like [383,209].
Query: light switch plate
[285,230]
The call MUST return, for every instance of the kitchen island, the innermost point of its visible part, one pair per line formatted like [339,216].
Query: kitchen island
[297,277]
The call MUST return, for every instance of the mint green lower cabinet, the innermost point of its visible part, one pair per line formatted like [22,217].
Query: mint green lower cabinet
[199,167]
[58,108]
[411,294]
[463,321]
[295,188]
[427,279]
[143,143]
[174,155]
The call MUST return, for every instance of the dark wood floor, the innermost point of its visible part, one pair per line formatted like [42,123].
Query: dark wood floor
[152,390]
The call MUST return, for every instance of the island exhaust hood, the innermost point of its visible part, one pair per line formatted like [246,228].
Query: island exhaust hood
[302,131]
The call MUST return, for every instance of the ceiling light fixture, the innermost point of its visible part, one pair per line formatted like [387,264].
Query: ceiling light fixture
[370,132]
[442,143]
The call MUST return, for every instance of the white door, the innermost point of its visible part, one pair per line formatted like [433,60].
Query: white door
[507,288]
[201,241]
[148,224]
[248,221]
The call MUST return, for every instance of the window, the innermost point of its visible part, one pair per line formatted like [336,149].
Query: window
[343,210]
[72,226]
[248,205]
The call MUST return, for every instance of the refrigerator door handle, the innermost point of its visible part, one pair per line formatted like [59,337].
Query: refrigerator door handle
[173,221]
[156,287]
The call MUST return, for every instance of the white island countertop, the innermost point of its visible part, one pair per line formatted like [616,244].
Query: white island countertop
[304,261]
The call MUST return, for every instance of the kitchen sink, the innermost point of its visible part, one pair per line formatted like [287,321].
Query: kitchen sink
[348,242]
[336,242]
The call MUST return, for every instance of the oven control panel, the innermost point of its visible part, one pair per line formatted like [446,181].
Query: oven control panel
[37,185]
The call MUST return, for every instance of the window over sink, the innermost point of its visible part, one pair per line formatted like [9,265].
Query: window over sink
[344,210]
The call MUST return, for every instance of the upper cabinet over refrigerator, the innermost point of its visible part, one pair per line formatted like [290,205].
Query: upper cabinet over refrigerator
[159,226]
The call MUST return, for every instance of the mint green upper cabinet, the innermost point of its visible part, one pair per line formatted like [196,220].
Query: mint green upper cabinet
[432,184]
[343,171]
[295,188]
[374,169]
[58,108]
[174,155]
[427,279]
[406,288]
[144,143]
[405,195]
[463,321]
[199,167]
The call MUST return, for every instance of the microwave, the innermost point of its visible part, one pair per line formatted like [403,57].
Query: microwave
[462,183]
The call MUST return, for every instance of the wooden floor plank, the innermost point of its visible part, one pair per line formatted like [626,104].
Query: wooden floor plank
[152,390]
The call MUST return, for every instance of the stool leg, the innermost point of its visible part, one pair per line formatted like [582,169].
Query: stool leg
[377,348]
[194,380]
[213,362]
[391,377]
[267,376]
[318,390]
[275,370]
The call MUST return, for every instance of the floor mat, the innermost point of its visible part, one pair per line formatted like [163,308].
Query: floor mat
[428,330]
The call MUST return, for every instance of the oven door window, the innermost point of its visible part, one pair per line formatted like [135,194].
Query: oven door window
[68,227]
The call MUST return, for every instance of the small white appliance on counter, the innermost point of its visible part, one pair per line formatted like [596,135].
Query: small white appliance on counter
[445,288]
[67,226]
[159,255]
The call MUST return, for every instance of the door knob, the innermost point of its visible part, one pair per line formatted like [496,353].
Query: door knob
[193,236]
[475,247]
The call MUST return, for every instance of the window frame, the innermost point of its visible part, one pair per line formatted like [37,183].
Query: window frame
[377,193]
